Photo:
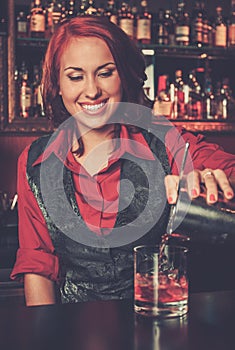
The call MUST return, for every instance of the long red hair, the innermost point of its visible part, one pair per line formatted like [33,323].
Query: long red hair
[128,58]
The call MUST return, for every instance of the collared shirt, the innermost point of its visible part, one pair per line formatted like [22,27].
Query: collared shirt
[97,194]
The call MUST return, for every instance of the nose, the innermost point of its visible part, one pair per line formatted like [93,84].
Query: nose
[92,90]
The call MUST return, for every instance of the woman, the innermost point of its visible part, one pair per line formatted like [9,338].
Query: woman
[94,73]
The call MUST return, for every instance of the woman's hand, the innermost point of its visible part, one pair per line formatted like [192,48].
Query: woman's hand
[213,181]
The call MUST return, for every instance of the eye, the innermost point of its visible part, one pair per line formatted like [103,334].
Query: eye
[75,77]
[107,73]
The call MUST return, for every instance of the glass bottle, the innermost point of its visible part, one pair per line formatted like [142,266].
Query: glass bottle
[231,25]
[126,20]
[54,17]
[225,100]
[21,25]
[206,26]
[36,93]
[182,25]
[111,12]
[37,20]
[170,26]
[162,104]
[25,92]
[194,101]
[161,31]
[178,96]
[197,24]
[220,28]
[143,24]
[209,103]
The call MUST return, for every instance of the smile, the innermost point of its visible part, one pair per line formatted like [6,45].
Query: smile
[93,108]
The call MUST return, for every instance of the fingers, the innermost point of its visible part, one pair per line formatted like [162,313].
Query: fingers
[211,185]
[171,184]
[213,181]
[221,179]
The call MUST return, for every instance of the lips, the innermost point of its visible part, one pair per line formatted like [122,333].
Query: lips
[94,107]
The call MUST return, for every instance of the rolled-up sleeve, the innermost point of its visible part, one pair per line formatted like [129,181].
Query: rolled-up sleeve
[202,153]
[36,253]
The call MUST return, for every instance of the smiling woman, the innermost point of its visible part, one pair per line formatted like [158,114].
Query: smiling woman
[88,87]
[103,181]
[120,62]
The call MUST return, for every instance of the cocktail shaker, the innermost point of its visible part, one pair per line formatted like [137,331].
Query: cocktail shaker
[198,220]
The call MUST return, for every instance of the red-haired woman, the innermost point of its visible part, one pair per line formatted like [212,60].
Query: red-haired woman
[103,182]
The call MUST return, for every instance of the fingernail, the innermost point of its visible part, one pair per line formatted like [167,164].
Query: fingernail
[229,194]
[194,192]
[170,200]
[212,198]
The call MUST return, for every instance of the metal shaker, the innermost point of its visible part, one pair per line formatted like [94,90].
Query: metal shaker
[200,221]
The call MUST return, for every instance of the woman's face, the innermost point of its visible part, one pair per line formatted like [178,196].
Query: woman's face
[89,81]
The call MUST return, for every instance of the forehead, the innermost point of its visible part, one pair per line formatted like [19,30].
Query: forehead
[87,51]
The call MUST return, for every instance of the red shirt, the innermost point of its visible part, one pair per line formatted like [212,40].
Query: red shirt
[36,253]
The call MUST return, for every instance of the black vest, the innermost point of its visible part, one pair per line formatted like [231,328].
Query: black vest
[93,267]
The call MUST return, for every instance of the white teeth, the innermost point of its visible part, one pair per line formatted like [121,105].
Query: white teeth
[93,107]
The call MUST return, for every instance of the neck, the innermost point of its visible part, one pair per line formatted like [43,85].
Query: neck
[98,145]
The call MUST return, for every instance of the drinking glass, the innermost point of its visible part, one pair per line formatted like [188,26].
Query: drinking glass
[160,280]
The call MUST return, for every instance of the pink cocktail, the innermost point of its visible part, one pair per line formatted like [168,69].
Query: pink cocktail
[161,292]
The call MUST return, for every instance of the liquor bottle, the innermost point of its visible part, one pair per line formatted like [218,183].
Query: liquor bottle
[126,20]
[111,12]
[225,100]
[178,96]
[230,98]
[206,25]
[194,104]
[36,93]
[182,25]
[91,9]
[209,103]
[161,29]
[54,17]
[37,20]
[135,12]
[170,27]
[220,28]
[162,104]
[231,25]
[197,24]
[25,92]
[143,24]
[21,25]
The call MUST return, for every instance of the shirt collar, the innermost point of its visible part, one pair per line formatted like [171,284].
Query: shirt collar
[132,143]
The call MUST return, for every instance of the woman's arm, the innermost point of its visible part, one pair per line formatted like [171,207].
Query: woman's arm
[38,290]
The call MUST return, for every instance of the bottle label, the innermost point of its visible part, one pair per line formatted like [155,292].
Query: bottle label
[127,25]
[37,23]
[221,36]
[232,34]
[182,33]
[25,100]
[198,31]
[22,27]
[143,29]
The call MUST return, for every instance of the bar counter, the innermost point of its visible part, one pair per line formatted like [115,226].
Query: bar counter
[113,325]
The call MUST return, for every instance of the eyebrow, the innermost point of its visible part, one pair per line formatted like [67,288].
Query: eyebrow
[81,70]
